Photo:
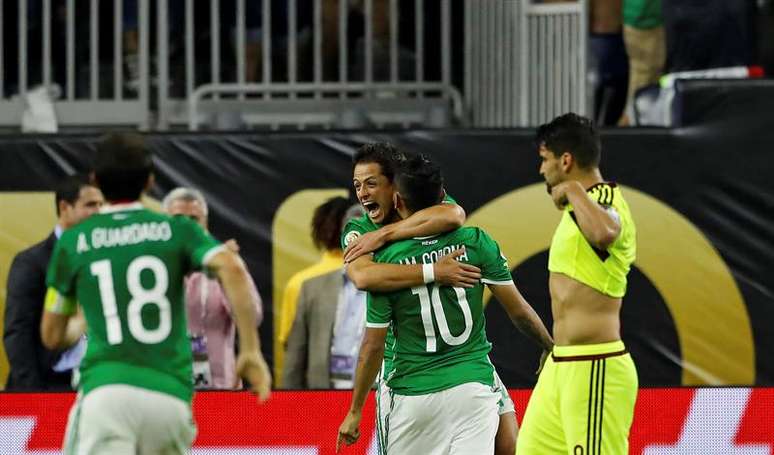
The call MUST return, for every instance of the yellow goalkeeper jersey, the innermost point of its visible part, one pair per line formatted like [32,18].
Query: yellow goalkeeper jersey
[572,255]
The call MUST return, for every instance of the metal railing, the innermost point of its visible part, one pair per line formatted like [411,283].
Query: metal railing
[281,63]
[284,98]
[525,62]
[87,95]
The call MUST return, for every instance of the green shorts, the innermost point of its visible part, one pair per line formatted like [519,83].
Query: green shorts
[583,402]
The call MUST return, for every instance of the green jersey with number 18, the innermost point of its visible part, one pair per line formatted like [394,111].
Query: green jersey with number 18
[125,266]
[440,333]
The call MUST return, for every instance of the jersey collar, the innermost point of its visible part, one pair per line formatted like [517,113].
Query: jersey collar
[121,207]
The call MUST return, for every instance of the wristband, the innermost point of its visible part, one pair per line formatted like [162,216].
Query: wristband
[428,273]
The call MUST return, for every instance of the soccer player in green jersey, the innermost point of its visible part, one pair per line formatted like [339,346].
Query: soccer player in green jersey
[583,402]
[443,396]
[125,267]
[373,174]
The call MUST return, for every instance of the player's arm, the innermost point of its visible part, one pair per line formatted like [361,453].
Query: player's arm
[61,325]
[377,277]
[233,276]
[433,220]
[599,225]
[368,365]
[522,315]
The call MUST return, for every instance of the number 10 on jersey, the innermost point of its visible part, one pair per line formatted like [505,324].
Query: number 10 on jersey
[431,306]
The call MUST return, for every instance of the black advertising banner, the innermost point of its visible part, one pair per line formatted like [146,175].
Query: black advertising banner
[701,297]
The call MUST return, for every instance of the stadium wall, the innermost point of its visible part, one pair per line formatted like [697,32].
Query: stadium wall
[700,297]
[667,421]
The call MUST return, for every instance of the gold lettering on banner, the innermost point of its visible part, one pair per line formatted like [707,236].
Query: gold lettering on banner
[711,319]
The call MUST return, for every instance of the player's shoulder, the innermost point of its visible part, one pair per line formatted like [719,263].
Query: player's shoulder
[604,193]
[357,227]
[473,234]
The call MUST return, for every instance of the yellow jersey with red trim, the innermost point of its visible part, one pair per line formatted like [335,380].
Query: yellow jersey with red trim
[571,253]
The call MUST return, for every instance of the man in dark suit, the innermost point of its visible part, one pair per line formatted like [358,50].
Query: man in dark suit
[33,367]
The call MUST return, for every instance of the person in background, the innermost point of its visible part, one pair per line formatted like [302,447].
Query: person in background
[608,63]
[210,322]
[326,226]
[643,34]
[323,344]
[33,367]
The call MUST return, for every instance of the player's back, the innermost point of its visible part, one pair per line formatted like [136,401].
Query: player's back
[127,267]
[440,330]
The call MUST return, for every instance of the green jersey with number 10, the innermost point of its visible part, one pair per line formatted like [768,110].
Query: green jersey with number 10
[125,266]
[440,334]
[352,231]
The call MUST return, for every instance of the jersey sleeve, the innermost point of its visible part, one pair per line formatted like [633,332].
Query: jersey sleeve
[352,231]
[379,311]
[494,265]
[448,199]
[61,272]
[199,244]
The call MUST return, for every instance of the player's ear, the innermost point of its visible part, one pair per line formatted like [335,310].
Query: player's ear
[397,201]
[567,160]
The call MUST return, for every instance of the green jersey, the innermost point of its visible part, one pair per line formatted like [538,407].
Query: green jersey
[354,229]
[440,335]
[572,255]
[125,266]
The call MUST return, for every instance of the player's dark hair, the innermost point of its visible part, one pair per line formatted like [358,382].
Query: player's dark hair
[326,223]
[69,189]
[574,134]
[122,166]
[386,155]
[419,182]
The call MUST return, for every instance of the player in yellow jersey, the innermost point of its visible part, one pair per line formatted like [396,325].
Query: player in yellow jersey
[583,402]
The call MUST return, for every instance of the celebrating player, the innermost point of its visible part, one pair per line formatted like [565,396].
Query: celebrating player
[125,268]
[443,390]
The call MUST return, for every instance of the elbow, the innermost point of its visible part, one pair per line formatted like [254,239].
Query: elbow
[359,279]
[604,239]
[456,218]
[51,341]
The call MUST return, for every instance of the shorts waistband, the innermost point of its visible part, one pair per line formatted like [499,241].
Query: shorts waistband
[588,351]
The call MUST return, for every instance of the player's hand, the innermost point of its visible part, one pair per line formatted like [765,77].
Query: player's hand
[451,272]
[232,245]
[366,243]
[559,195]
[252,367]
[349,431]
[543,358]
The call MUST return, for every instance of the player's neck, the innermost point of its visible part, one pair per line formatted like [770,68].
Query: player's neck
[587,179]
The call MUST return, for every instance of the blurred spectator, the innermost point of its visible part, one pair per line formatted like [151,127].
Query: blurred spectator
[210,324]
[324,342]
[326,229]
[646,46]
[325,236]
[608,60]
[33,367]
